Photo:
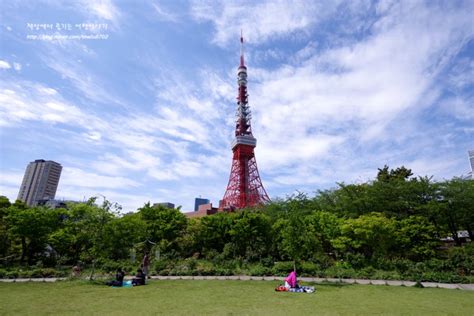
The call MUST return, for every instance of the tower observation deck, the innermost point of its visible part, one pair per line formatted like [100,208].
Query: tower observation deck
[245,188]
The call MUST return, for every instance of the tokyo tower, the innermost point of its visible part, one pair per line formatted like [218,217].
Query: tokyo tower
[245,187]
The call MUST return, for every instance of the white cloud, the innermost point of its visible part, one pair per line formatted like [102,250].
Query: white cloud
[354,92]
[4,65]
[104,9]
[79,178]
[17,66]
[23,100]
[260,20]
[11,178]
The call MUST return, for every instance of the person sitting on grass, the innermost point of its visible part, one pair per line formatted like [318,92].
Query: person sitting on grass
[139,278]
[118,278]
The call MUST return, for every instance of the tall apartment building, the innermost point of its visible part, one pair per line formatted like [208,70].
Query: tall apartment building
[471,159]
[40,181]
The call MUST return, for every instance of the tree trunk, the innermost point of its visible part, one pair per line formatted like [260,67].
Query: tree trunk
[453,229]
[91,277]
[23,249]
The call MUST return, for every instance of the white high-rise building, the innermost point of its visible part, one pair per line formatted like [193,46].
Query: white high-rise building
[40,181]
[471,160]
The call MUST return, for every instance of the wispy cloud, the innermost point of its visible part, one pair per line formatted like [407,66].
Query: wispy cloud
[102,9]
[163,14]
[260,20]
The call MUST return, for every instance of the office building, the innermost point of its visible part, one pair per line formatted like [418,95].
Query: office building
[200,201]
[40,181]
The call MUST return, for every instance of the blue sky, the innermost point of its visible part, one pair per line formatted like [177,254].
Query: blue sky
[144,112]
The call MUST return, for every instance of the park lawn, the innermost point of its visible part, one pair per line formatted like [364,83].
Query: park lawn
[194,297]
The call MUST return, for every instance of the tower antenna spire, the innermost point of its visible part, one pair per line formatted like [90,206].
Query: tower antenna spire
[242,62]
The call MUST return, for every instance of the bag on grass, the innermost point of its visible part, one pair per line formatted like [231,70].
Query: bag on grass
[281,288]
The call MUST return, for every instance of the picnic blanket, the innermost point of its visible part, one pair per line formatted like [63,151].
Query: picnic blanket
[125,284]
[301,289]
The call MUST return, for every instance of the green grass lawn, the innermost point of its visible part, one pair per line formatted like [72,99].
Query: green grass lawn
[188,297]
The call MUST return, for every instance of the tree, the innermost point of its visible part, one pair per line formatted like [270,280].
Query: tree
[4,241]
[251,235]
[214,233]
[32,226]
[386,175]
[327,227]
[416,238]
[371,234]
[296,238]
[454,206]
[121,236]
[82,234]
[163,225]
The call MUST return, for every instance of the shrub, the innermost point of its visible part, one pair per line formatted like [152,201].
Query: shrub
[259,270]
[462,259]
[310,269]
[48,272]
[111,266]
[356,260]
[340,272]
[160,265]
[282,268]
[365,273]
[12,274]
[205,268]
[386,275]
[36,273]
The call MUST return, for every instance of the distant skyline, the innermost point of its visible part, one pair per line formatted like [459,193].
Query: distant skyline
[136,100]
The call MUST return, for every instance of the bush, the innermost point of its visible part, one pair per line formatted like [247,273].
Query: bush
[386,275]
[205,268]
[12,274]
[310,269]
[365,273]
[340,272]
[159,266]
[110,266]
[259,270]
[462,259]
[36,273]
[356,260]
[443,277]
[282,268]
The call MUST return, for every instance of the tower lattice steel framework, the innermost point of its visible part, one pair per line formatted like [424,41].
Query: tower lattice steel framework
[245,187]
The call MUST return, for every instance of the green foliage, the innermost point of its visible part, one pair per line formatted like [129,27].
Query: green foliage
[162,225]
[390,227]
[416,238]
[282,267]
[370,234]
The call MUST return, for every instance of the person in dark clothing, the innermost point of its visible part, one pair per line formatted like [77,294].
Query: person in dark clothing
[139,278]
[118,278]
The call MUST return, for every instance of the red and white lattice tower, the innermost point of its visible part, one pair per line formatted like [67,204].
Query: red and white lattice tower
[245,187]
